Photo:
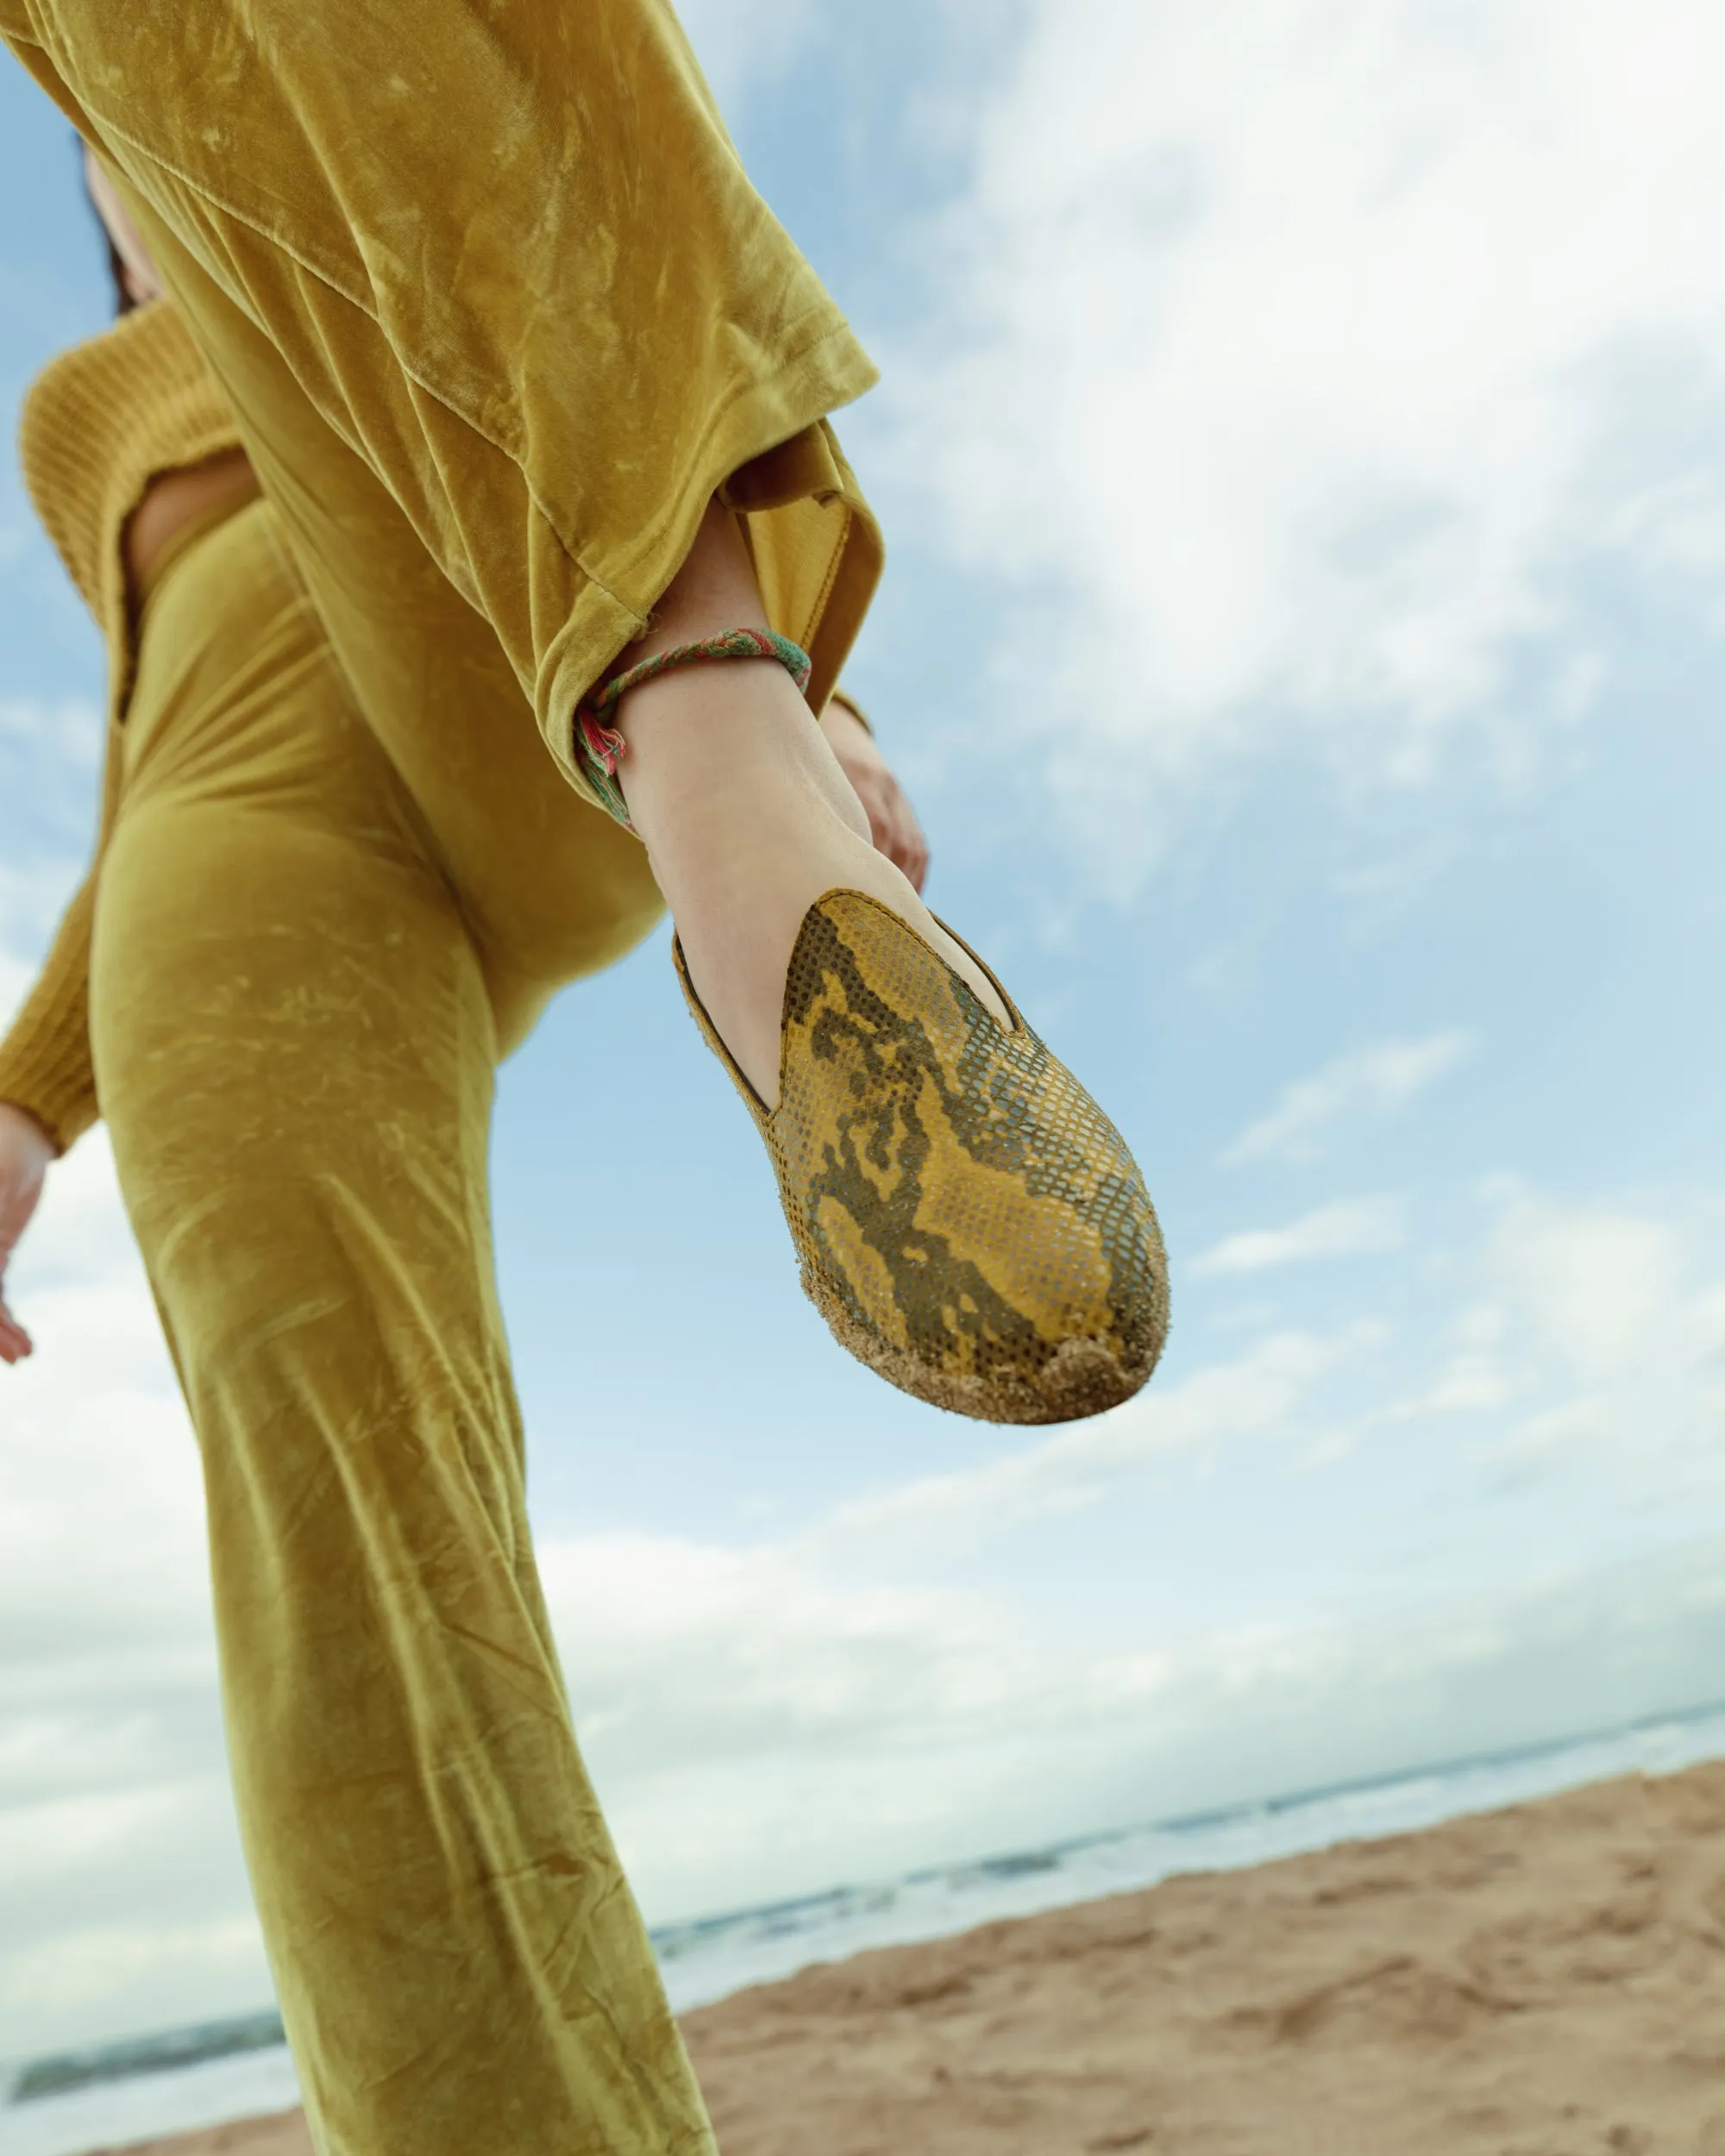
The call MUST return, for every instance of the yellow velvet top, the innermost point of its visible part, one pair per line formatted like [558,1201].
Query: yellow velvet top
[100,423]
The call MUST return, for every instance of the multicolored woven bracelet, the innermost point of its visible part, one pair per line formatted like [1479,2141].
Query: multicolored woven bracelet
[601,747]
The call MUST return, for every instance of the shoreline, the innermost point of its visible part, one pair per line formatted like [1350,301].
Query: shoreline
[1545,1977]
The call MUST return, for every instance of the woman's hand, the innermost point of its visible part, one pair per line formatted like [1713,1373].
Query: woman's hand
[891,821]
[25,1152]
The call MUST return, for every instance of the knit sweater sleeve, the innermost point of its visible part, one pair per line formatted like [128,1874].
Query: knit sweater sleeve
[45,1063]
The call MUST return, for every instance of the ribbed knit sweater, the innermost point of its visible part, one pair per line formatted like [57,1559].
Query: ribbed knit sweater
[99,423]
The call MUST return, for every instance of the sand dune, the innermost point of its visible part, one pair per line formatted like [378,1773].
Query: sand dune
[1545,1981]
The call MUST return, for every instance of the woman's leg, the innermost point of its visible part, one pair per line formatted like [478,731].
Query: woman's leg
[509,258]
[745,814]
[551,372]
[293,1043]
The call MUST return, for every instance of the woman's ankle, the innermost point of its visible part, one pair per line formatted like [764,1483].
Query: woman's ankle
[746,813]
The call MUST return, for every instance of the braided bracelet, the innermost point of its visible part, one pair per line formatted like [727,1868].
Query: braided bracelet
[601,747]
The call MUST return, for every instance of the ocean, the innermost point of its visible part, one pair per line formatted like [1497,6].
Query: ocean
[104,2096]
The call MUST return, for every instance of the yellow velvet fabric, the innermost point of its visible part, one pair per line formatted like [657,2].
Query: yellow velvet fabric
[509,258]
[496,312]
[294,1030]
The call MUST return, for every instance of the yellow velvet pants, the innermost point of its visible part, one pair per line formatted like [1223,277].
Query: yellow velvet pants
[504,260]
[295,1028]
[498,313]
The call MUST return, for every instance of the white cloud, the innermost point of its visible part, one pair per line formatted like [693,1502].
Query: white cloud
[1706,1319]
[1347,1229]
[687,1651]
[944,1748]
[1368,1081]
[1597,1283]
[120,1875]
[1553,1435]
[1594,1335]
[1290,361]
[1086,1462]
[68,732]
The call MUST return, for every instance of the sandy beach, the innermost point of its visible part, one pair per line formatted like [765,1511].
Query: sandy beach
[1544,1981]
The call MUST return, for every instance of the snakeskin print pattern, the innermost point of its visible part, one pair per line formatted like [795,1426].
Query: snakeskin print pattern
[966,1218]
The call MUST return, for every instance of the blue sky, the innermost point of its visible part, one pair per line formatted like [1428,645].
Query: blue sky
[1302,455]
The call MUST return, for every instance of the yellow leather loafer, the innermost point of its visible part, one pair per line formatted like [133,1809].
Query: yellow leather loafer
[968,1221]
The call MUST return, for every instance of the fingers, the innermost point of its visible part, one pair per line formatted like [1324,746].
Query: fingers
[908,850]
[14,1343]
[893,826]
[25,1152]
[914,861]
[891,821]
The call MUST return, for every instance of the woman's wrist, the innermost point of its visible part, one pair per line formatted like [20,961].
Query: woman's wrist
[33,1126]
